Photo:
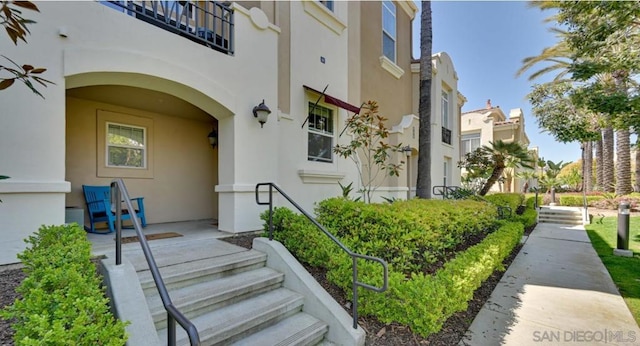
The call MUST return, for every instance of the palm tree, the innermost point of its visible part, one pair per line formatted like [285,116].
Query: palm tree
[587,166]
[623,163]
[607,160]
[423,185]
[559,57]
[599,165]
[500,153]
[637,183]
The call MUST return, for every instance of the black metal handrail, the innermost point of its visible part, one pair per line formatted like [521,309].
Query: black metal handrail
[353,255]
[118,194]
[448,191]
[210,23]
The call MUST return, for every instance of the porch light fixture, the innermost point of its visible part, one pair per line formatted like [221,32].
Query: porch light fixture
[261,112]
[213,138]
[407,150]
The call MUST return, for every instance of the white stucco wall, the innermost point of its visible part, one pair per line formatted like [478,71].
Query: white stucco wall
[103,46]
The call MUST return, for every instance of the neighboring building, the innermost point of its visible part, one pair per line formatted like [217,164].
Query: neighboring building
[489,124]
[138,90]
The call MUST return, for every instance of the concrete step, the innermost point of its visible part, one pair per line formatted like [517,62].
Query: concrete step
[568,216]
[186,273]
[195,300]
[300,329]
[237,321]
[180,251]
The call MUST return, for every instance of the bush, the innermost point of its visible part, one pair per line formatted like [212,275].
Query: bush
[424,302]
[530,215]
[409,235]
[401,232]
[63,302]
[577,201]
[511,200]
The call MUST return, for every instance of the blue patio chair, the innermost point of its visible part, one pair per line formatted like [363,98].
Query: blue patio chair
[98,200]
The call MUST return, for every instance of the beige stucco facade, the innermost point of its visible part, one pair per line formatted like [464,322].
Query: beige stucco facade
[110,67]
[490,124]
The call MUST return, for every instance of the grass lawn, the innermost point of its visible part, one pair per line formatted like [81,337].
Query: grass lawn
[625,271]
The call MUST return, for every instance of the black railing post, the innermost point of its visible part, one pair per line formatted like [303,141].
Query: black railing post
[171,330]
[118,204]
[354,304]
[270,211]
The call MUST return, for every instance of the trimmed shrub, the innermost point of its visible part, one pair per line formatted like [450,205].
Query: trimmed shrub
[401,232]
[511,200]
[63,302]
[577,201]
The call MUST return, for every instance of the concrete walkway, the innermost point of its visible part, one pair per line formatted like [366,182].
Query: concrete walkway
[556,292]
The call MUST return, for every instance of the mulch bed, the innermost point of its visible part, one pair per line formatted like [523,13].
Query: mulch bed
[9,279]
[392,334]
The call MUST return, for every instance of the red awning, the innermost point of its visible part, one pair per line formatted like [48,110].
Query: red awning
[336,101]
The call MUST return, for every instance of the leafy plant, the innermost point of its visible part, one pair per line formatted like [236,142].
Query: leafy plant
[368,149]
[17,28]
[63,302]
[346,191]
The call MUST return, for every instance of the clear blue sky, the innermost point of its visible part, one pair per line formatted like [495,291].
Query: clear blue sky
[487,41]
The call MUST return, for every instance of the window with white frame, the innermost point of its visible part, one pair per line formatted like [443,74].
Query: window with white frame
[389,30]
[125,146]
[328,4]
[445,109]
[470,142]
[320,143]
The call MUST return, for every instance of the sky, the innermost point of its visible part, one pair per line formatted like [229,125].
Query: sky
[487,41]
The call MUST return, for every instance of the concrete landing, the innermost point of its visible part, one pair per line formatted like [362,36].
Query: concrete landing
[556,292]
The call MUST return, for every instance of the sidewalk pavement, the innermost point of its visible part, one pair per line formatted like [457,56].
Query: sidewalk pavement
[555,292]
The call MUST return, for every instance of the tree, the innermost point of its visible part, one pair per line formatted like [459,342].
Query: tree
[637,172]
[587,166]
[17,28]
[494,158]
[623,163]
[599,165]
[607,161]
[423,186]
[368,148]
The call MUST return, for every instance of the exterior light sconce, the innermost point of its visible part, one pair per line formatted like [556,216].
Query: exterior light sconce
[407,150]
[213,138]
[261,112]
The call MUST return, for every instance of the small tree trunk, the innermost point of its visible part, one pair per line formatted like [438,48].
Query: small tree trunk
[495,175]
[608,183]
[587,170]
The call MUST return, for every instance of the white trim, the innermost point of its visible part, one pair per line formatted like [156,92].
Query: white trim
[391,67]
[34,186]
[231,188]
[325,16]
[404,123]
[409,7]
[320,177]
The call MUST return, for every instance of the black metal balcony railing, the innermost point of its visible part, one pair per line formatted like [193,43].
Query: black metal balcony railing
[446,135]
[206,22]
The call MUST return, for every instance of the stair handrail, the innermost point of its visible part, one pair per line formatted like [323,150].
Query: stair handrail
[354,256]
[118,194]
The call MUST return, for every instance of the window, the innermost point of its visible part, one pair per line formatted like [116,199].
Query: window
[470,143]
[328,4]
[445,110]
[320,134]
[126,146]
[389,30]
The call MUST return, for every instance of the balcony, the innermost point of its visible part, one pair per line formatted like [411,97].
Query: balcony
[446,135]
[209,23]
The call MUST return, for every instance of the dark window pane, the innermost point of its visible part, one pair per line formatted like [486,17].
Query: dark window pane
[320,147]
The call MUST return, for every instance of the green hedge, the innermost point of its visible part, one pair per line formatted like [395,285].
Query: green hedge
[577,201]
[409,235]
[414,298]
[511,200]
[424,302]
[63,301]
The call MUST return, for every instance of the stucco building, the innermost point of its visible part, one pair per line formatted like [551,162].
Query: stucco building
[141,86]
[490,124]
